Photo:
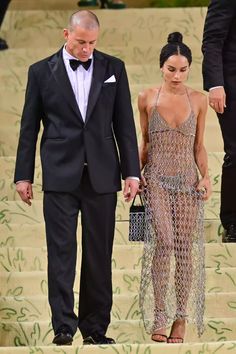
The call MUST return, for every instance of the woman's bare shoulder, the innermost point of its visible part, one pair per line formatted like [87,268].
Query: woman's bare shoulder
[196,94]
[148,92]
[197,97]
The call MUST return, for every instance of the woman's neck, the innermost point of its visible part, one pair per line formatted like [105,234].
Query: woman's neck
[172,90]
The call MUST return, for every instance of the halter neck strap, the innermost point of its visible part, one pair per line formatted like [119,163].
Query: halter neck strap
[187,93]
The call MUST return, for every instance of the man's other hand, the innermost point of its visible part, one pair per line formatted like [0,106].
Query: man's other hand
[24,188]
[217,99]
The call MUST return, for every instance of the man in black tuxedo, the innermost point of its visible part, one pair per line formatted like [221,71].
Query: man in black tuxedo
[3,8]
[82,98]
[219,74]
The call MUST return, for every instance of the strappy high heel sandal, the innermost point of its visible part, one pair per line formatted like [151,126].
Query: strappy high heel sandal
[176,339]
[159,338]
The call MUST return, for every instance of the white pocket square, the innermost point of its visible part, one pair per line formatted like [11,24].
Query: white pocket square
[111,79]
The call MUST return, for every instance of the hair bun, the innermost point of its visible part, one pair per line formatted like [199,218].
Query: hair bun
[175,37]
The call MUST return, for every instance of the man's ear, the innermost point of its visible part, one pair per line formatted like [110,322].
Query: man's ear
[66,33]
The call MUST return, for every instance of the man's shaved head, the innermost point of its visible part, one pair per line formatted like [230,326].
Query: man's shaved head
[84,19]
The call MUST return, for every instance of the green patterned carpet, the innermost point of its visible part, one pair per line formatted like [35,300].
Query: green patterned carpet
[33,33]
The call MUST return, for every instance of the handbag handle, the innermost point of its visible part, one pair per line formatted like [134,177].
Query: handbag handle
[141,200]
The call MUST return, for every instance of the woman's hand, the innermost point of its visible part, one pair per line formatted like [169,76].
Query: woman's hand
[204,186]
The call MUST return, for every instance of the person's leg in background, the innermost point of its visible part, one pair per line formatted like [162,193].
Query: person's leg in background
[228,187]
[3,8]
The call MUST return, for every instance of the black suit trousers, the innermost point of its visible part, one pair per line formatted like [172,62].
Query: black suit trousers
[227,122]
[98,220]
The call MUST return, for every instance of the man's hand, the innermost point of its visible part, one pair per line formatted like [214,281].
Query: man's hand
[25,191]
[217,99]
[130,189]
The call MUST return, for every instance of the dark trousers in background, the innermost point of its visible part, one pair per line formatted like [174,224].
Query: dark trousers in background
[98,222]
[3,8]
[227,122]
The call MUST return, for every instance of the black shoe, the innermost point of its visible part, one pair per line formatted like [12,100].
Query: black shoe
[87,3]
[63,336]
[229,234]
[3,44]
[98,339]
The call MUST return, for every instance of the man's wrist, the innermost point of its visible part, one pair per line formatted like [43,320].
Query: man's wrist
[22,181]
[133,177]
[215,87]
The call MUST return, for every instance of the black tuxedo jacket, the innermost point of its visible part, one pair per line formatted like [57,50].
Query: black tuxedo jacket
[219,46]
[106,140]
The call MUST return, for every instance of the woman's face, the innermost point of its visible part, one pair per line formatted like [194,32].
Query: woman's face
[175,70]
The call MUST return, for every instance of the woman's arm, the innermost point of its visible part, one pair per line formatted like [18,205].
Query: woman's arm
[199,149]
[143,116]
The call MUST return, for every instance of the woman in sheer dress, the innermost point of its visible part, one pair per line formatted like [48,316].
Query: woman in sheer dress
[172,154]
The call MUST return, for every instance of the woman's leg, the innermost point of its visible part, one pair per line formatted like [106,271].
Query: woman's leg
[184,219]
[160,270]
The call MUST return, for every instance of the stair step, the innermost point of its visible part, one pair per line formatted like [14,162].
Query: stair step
[125,307]
[14,82]
[158,348]
[140,59]
[10,132]
[130,331]
[20,283]
[215,159]
[138,25]
[33,235]
[16,78]
[19,212]
[11,115]
[7,165]
[138,54]
[43,4]
[64,5]
[26,259]
[11,110]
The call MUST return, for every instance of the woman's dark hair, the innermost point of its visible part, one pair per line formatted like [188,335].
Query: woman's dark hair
[175,46]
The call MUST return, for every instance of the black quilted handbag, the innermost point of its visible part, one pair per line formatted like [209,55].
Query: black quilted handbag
[136,220]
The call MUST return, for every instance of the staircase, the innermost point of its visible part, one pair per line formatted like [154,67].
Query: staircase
[33,31]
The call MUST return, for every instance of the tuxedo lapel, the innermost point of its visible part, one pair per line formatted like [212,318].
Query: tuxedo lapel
[98,78]
[59,72]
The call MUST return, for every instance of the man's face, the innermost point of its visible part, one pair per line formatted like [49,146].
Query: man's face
[81,42]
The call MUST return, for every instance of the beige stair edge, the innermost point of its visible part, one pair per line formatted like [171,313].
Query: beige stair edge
[193,348]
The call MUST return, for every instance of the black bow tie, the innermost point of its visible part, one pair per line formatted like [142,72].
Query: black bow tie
[74,63]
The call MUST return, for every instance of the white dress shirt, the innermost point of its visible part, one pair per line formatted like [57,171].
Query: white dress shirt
[80,80]
[215,87]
